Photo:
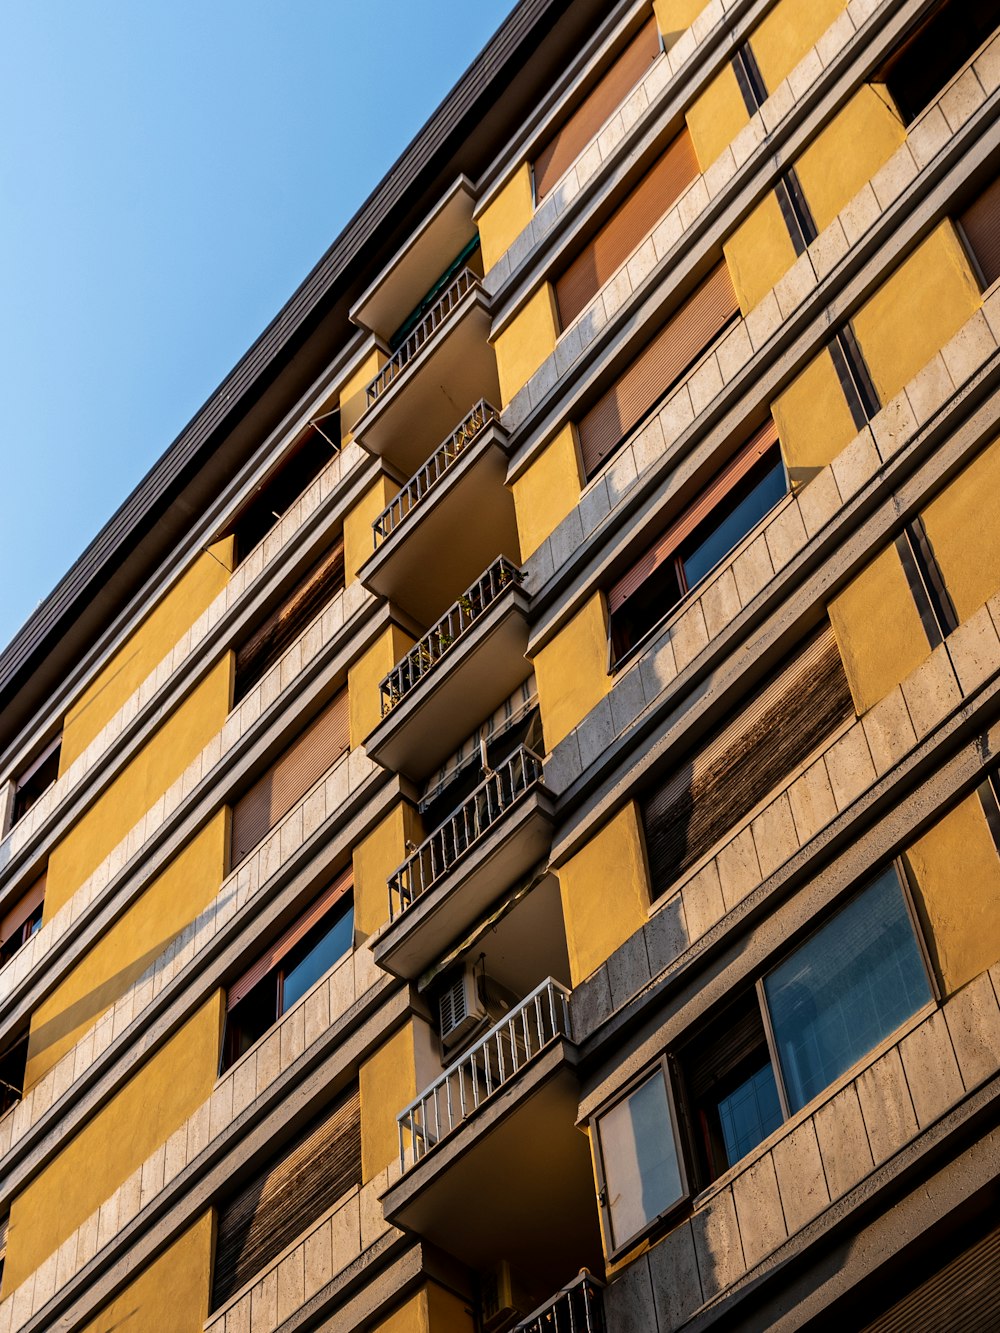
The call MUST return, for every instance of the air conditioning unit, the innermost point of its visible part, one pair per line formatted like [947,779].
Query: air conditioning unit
[460,1009]
[502,1300]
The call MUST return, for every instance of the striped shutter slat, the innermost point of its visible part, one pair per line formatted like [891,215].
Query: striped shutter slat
[981,225]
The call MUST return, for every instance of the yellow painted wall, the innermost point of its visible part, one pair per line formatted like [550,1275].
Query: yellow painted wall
[878,629]
[847,153]
[129,948]
[351,394]
[813,419]
[571,671]
[387,1082]
[547,491]
[506,216]
[716,117]
[170,1087]
[786,33]
[170,1294]
[957,892]
[605,893]
[673,16]
[963,526]
[181,737]
[526,341]
[146,648]
[359,541]
[363,678]
[759,252]
[375,858]
[432,1309]
[916,311]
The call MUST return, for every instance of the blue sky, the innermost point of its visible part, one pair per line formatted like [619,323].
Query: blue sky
[170,170]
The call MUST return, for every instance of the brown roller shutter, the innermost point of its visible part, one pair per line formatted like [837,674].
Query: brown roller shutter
[279,1204]
[288,620]
[614,85]
[981,225]
[303,763]
[657,367]
[745,760]
[734,471]
[627,227]
[962,1295]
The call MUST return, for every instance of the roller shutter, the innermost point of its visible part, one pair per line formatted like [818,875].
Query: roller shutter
[963,1295]
[981,225]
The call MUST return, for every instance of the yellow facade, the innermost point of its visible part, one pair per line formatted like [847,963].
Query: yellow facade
[375,858]
[847,153]
[813,420]
[673,16]
[526,341]
[506,216]
[359,541]
[171,1293]
[432,1309]
[351,394]
[964,532]
[363,678]
[758,253]
[787,31]
[547,491]
[388,1082]
[571,671]
[716,117]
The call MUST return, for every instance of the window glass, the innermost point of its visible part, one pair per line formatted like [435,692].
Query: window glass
[641,1169]
[315,955]
[749,1113]
[724,529]
[847,987]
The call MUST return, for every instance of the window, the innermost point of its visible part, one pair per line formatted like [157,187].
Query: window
[750,79]
[20,923]
[935,51]
[293,964]
[559,153]
[36,779]
[796,211]
[472,258]
[980,225]
[855,380]
[13,1063]
[926,582]
[744,491]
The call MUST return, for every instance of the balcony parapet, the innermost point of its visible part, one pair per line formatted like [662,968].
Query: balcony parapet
[577,1308]
[464,281]
[481,1072]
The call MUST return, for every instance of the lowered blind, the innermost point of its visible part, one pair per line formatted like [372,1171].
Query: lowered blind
[745,760]
[288,620]
[961,1295]
[614,85]
[981,225]
[280,1203]
[627,227]
[661,550]
[22,909]
[657,367]
[290,777]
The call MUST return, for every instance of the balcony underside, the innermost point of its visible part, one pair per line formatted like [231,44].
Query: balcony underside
[452,535]
[453,370]
[483,668]
[507,851]
[514,1183]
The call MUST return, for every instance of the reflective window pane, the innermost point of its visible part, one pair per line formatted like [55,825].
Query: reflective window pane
[726,527]
[317,953]
[749,1113]
[641,1173]
[849,986]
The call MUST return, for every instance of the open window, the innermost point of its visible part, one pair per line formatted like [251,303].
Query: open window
[36,779]
[934,52]
[746,489]
[21,921]
[13,1063]
[980,226]
[282,974]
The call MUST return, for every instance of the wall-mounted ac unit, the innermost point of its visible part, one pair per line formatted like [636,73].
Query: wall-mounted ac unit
[460,1009]
[502,1300]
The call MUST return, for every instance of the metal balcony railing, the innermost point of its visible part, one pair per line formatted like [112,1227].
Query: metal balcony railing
[463,281]
[488,1066]
[578,1308]
[455,622]
[460,832]
[433,470]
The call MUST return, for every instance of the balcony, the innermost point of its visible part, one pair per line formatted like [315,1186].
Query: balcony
[476,650]
[578,1308]
[444,361]
[492,839]
[456,503]
[497,1127]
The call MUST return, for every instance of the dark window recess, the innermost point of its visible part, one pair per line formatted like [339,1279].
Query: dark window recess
[559,153]
[742,493]
[688,332]
[21,922]
[13,1063]
[926,582]
[980,224]
[745,759]
[856,382]
[471,257]
[288,620]
[280,1202]
[278,492]
[750,79]
[283,973]
[795,211]
[36,779]
[989,798]
[934,53]
[527,730]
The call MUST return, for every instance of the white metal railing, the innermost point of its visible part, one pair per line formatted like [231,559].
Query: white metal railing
[577,1308]
[483,1070]
[463,281]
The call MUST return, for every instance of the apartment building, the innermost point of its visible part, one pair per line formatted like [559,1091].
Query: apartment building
[501,829]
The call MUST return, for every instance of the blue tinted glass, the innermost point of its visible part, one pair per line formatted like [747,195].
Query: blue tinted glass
[323,946]
[717,536]
[641,1173]
[855,981]
[750,1113]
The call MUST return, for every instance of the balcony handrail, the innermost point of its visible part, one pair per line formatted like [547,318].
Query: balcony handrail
[475,1076]
[443,635]
[463,828]
[463,281]
[576,1308]
[447,453]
